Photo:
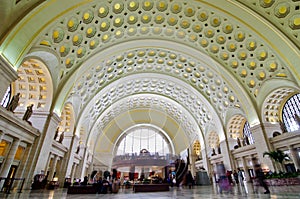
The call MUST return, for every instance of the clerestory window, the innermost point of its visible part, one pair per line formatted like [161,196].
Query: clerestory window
[291,113]
[144,138]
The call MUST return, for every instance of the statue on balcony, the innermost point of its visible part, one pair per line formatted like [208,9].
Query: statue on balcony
[238,142]
[244,141]
[13,103]
[213,152]
[78,149]
[282,127]
[247,140]
[297,120]
[219,149]
[61,137]
[28,113]
[56,133]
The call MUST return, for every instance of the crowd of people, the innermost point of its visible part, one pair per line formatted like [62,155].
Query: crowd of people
[102,185]
[227,179]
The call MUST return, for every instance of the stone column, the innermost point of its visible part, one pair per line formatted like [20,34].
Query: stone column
[7,75]
[245,166]
[1,135]
[205,160]
[62,170]
[80,172]
[46,140]
[213,173]
[90,168]
[53,167]
[131,172]
[9,158]
[47,167]
[295,157]
[73,171]
[23,167]
[226,153]
[24,162]
[70,154]
[262,145]
[31,163]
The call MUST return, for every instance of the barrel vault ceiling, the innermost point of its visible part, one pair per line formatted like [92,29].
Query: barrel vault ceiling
[185,66]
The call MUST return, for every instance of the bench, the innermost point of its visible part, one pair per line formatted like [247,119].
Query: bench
[82,189]
[150,187]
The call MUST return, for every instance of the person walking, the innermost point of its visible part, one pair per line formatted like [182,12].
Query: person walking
[236,177]
[261,178]
[241,176]
[189,179]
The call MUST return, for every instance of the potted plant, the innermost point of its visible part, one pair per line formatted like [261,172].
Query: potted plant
[279,157]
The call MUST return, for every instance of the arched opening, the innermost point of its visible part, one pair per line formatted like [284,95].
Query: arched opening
[291,113]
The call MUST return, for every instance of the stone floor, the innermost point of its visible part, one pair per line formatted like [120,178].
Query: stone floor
[211,191]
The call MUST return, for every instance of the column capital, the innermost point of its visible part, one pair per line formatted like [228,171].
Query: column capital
[55,117]
[8,71]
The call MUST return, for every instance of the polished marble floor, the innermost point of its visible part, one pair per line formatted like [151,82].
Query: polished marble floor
[211,191]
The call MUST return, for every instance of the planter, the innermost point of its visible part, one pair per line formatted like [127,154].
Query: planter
[279,181]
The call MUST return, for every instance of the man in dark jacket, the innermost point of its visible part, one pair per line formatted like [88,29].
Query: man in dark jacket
[261,178]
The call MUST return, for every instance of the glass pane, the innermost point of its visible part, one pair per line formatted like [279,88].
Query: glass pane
[143,138]
[6,97]
[247,134]
[289,112]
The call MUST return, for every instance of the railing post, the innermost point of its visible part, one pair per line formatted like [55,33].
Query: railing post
[10,181]
[22,185]
[1,184]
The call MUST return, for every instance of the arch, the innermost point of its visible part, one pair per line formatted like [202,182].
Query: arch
[232,10]
[138,126]
[34,85]
[212,143]
[276,133]
[197,148]
[191,101]
[67,122]
[235,126]
[180,126]
[290,113]
[273,96]
[214,83]
[50,59]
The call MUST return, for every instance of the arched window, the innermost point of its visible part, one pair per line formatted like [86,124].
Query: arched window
[290,112]
[6,97]
[247,135]
[144,138]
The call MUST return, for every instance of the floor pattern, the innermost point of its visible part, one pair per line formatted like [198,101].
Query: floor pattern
[246,191]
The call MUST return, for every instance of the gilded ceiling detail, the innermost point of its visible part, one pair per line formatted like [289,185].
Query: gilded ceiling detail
[198,75]
[238,49]
[284,15]
[151,102]
[135,94]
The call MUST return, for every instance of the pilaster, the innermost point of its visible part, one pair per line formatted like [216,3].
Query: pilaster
[295,157]
[7,75]
[262,145]
[82,164]
[53,167]
[205,160]
[226,155]
[46,141]
[10,158]
[70,154]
